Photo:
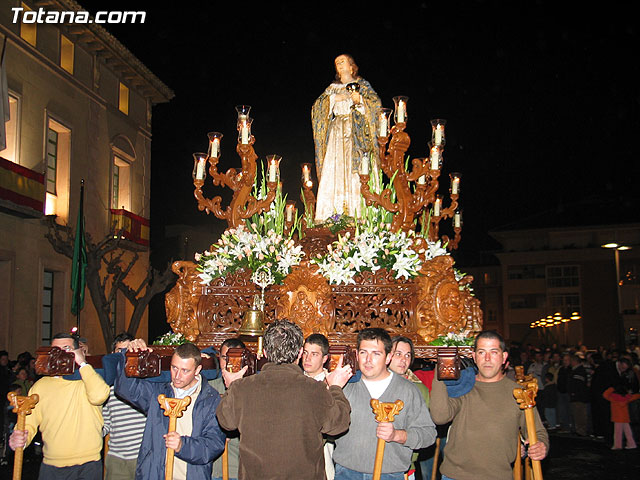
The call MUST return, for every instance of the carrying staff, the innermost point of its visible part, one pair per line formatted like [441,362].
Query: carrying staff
[69,417]
[22,406]
[173,408]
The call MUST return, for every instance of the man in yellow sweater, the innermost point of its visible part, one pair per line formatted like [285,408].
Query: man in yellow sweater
[69,415]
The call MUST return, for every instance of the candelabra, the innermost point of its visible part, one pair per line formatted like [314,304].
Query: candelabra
[243,204]
[424,174]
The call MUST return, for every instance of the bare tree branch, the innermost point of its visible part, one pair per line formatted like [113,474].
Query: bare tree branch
[111,251]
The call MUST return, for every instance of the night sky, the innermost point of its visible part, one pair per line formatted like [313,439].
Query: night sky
[542,104]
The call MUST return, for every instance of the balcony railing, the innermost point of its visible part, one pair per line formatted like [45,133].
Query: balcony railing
[21,189]
[130,226]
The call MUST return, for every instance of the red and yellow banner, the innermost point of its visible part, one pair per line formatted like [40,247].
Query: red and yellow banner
[21,186]
[130,226]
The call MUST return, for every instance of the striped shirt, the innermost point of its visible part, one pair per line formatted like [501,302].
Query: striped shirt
[125,426]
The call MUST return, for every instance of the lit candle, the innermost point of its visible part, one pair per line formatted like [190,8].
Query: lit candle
[457,219]
[273,171]
[439,134]
[383,125]
[401,111]
[422,179]
[199,172]
[215,147]
[364,165]
[306,173]
[244,132]
[437,206]
[455,185]
[435,158]
[290,210]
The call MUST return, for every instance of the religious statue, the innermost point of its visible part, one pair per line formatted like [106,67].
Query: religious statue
[344,131]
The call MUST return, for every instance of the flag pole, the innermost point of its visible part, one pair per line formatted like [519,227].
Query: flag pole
[78,278]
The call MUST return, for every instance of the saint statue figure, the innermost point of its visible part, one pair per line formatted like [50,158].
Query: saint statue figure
[344,131]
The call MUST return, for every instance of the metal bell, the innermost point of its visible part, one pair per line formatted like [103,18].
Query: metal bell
[252,323]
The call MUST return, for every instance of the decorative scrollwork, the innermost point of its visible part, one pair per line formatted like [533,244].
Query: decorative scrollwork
[307,300]
[182,300]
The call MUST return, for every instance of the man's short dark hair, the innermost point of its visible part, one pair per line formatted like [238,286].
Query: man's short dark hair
[375,334]
[233,343]
[189,350]
[76,344]
[320,340]
[396,340]
[121,337]
[490,335]
[283,341]
[4,353]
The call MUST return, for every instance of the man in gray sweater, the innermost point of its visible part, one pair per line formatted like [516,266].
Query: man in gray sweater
[412,428]
[483,438]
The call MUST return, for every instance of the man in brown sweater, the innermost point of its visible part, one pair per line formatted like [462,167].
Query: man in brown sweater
[483,438]
[281,414]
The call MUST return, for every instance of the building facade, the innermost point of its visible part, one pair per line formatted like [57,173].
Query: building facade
[544,271]
[80,109]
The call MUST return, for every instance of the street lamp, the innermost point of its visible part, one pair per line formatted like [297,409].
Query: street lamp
[616,247]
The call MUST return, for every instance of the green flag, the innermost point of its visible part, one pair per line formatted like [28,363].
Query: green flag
[78,274]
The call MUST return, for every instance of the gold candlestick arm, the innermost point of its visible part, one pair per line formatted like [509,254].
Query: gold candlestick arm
[243,204]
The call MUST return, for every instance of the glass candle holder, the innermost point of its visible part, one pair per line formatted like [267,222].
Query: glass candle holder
[435,157]
[243,112]
[384,119]
[455,183]
[437,206]
[273,168]
[306,173]
[400,109]
[214,144]
[437,131]
[199,166]
[457,219]
[245,130]
[290,211]
[364,165]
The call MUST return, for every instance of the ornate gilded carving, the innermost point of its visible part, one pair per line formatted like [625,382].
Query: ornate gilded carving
[440,306]
[182,300]
[54,361]
[306,300]
[421,308]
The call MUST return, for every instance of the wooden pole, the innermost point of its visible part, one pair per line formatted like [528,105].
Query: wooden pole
[384,412]
[434,469]
[225,461]
[517,466]
[22,406]
[526,398]
[527,469]
[173,408]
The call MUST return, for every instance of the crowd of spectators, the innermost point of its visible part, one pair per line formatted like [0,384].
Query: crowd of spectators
[572,384]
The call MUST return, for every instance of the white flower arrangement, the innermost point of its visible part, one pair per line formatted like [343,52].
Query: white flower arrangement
[170,338]
[243,248]
[371,250]
[454,340]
